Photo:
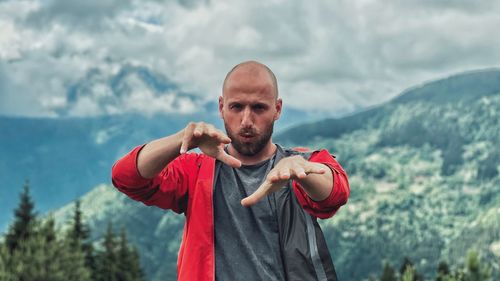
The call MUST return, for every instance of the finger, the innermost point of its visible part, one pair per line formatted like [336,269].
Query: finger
[223,138]
[273,176]
[228,159]
[198,130]
[260,193]
[211,131]
[220,136]
[315,169]
[186,138]
[299,172]
[284,174]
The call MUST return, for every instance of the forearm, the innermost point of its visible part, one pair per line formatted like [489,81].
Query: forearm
[318,186]
[155,155]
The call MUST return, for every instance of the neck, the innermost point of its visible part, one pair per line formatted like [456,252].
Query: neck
[266,153]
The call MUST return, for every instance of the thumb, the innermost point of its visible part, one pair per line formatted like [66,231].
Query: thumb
[228,159]
[255,197]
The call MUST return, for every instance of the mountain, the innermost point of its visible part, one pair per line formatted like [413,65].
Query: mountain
[424,176]
[63,158]
[463,87]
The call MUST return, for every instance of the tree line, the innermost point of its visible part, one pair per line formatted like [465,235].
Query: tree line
[473,270]
[32,250]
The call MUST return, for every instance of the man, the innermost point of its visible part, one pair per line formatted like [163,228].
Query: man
[250,204]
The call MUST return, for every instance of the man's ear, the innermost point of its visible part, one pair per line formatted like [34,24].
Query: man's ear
[221,107]
[279,106]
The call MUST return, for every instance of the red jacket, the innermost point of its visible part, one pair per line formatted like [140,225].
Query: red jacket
[185,185]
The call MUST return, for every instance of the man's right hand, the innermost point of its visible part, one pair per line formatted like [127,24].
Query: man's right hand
[209,140]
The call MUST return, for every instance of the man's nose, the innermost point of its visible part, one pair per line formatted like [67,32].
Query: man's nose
[247,118]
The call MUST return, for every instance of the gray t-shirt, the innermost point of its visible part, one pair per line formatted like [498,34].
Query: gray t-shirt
[246,238]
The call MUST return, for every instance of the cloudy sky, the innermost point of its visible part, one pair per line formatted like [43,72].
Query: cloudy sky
[62,58]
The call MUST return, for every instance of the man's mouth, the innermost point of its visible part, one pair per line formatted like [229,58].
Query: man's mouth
[247,136]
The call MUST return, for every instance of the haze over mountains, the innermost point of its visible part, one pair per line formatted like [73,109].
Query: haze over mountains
[64,158]
[424,174]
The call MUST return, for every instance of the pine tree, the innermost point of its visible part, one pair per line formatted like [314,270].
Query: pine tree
[475,270]
[406,263]
[79,231]
[24,217]
[138,273]
[408,274]
[73,262]
[405,267]
[388,273]
[79,235]
[5,274]
[44,257]
[107,259]
[37,257]
[443,271]
[128,261]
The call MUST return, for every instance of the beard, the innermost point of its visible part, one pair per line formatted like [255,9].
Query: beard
[258,142]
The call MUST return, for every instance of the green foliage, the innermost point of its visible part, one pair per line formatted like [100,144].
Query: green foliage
[475,270]
[388,273]
[44,255]
[24,218]
[488,168]
[128,261]
[5,274]
[118,260]
[78,237]
[408,270]
[107,260]
[443,271]
[409,274]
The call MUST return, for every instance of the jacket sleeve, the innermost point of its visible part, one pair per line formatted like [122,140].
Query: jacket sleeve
[168,190]
[338,196]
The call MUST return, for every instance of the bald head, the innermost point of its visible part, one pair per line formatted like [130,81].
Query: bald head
[254,70]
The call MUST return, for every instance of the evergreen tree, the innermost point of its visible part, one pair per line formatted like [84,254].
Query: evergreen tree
[24,217]
[443,271]
[73,262]
[43,257]
[405,267]
[36,258]
[4,264]
[408,274]
[79,231]
[128,261]
[388,273]
[79,235]
[138,273]
[475,270]
[107,259]
[406,263]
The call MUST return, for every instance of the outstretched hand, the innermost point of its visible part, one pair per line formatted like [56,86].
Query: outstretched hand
[209,140]
[290,168]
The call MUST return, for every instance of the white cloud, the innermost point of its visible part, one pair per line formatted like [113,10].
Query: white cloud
[327,55]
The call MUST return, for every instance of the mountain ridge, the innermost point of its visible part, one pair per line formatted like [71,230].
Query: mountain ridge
[424,182]
[424,178]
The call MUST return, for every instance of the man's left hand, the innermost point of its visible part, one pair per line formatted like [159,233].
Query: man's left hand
[290,168]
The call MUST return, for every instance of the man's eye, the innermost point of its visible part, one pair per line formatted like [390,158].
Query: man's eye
[236,106]
[258,107]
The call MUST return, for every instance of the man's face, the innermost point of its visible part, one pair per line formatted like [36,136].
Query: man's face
[249,108]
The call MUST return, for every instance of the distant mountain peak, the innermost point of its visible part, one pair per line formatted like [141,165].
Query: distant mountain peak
[465,85]
[460,88]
